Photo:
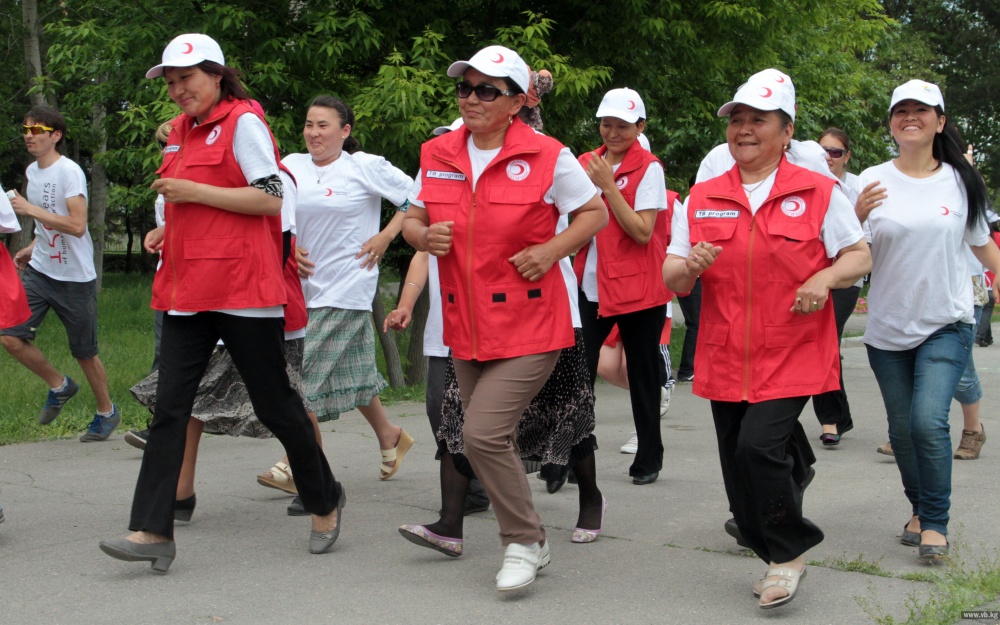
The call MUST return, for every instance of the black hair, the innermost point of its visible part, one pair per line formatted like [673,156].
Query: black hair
[512,86]
[48,116]
[230,85]
[837,134]
[948,149]
[784,118]
[346,115]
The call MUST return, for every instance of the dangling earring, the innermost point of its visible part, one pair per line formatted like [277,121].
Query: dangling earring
[510,120]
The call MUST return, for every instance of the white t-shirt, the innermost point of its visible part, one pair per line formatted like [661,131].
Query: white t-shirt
[651,194]
[8,219]
[254,151]
[920,277]
[807,154]
[57,255]
[840,225]
[339,209]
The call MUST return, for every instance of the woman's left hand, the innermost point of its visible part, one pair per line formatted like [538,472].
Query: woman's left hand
[810,297]
[532,262]
[373,250]
[176,190]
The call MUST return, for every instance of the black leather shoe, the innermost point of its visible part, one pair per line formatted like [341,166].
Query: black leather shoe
[932,554]
[473,506]
[184,508]
[296,508]
[642,480]
[734,530]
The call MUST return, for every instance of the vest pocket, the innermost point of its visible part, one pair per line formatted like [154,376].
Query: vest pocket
[625,280]
[791,354]
[518,313]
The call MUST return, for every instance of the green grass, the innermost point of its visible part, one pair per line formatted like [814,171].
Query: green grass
[126,340]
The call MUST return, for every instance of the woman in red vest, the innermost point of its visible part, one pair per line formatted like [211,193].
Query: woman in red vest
[221,279]
[769,240]
[487,202]
[619,270]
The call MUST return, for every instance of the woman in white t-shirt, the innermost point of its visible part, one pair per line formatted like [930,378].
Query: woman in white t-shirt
[340,191]
[919,211]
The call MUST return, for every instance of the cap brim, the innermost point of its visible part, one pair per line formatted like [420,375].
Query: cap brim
[623,114]
[761,105]
[158,70]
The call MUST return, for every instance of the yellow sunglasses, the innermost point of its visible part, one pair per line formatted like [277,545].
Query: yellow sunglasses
[37,129]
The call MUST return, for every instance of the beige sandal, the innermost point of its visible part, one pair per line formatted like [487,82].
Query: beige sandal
[279,476]
[785,577]
[396,453]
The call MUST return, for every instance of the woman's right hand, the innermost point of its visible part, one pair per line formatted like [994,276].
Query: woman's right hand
[701,257]
[438,237]
[154,240]
[305,265]
[398,319]
[870,199]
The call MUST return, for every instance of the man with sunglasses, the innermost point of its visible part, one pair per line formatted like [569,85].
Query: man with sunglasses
[59,272]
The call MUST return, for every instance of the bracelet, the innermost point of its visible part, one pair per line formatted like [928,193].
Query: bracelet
[412,284]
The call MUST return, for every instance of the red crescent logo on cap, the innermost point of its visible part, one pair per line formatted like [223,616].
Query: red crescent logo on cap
[780,79]
[767,92]
[329,192]
[499,58]
[946,210]
[189,50]
[631,105]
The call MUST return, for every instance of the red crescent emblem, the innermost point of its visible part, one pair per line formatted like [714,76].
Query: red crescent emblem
[517,169]
[767,92]
[188,49]
[499,58]
[329,192]
[780,79]
[631,105]
[797,204]
[946,211]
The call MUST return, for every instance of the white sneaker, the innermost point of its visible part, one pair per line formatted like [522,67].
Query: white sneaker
[520,564]
[632,446]
[665,393]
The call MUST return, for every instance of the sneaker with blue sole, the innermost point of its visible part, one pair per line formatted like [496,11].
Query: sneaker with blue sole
[102,427]
[56,400]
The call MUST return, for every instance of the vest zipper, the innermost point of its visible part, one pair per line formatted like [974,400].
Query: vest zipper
[173,264]
[468,281]
[748,314]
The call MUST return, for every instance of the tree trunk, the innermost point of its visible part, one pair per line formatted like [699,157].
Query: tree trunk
[389,348]
[33,68]
[416,372]
[98,205]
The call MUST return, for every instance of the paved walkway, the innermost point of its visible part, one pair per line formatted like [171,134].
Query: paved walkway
[663,557]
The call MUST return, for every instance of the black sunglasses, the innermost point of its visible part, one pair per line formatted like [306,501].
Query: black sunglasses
[835,152]
[486,93]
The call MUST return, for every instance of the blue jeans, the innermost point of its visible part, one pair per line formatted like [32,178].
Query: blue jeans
[970,391]
[917,386]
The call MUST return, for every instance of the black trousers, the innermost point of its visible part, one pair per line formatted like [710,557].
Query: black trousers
[757,468]
[255,345]
[640,333]
[832,407]
[691,309]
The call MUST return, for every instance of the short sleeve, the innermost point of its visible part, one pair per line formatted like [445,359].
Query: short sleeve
[382,178]
[680,232]
[841,227]
[415,190]
[289,195]
[652,190]
[571,186]
[254,149]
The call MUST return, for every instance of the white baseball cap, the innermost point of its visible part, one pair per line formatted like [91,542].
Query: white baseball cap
[455,125]
[767,90]
[496,61]
[622,103]
[187,50]
[926,92]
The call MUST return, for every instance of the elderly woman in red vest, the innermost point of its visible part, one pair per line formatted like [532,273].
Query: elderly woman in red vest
[619,270]
[487,203]
[769,240]
[221,279]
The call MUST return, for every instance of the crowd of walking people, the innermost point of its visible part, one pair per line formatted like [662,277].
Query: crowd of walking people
[269,266]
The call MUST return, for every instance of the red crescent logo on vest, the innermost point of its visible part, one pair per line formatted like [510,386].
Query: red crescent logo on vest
[329,192]
[622,182]
[499,58]
[518,170]
[766,92]
[793,206]
[631,105]
[212,136]
[188,49]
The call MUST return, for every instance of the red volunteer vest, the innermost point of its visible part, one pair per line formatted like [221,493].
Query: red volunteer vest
[751,347]
[13,302]
[296,316]
[214,259]
[629,274]
[490,311]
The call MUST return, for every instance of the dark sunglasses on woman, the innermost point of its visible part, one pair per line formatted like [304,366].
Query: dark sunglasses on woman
[485,92]
[835,152]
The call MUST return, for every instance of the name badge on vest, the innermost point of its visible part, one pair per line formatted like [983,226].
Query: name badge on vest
[171,148]
[445,175]
[707,214]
